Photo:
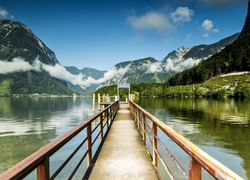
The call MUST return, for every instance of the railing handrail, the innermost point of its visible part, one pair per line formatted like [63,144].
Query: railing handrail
[36,159]
[211,165]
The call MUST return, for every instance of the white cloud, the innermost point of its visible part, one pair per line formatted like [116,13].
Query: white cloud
[5,15]
[208,27]
[182,14]
[152,67]
[163,22]
[18,65]
[112,73]
[151,21]
[178,66]
[59,72]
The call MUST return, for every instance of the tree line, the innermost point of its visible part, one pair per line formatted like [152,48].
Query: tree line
[216,87]
[35,82]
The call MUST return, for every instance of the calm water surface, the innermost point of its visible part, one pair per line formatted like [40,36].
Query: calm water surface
[27,124]
[219,127]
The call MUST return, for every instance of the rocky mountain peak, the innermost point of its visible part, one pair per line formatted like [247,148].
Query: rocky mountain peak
[18,41]
[178,53]
[7,25]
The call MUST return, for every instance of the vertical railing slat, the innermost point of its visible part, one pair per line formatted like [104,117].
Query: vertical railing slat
[43,171]
[107,116]
[144,128]
[101,126]
[89,145]
[138,118]
[194,169]
[154,145]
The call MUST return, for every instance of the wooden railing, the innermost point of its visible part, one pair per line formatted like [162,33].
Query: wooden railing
[40,160]
[149,127]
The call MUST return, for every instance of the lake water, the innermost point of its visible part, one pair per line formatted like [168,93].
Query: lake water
[27,124]
[219,127]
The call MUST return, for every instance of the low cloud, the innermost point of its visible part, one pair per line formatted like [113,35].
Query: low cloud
[222,3]
[180,65]
[5,15]
[188,63]
[170,65]
[112,73]
[182,14]
[59,72]
[18,65]
[153,67]
[150,21]
[208,27]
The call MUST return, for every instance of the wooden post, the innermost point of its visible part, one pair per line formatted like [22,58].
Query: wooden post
[154,147]
[111,114]
[144,128]
[139,119]
[194,170]
[131,97]
[99,102]
[43,171]
[136,114]
[89,145]
[104,98]
[101,127]
[93,103]
[107,116]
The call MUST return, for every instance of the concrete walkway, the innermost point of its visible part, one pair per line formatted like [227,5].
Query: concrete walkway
[123,155]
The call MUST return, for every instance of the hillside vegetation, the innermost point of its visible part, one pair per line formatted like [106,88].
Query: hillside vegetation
[229,86]
[32,83]
[234,57]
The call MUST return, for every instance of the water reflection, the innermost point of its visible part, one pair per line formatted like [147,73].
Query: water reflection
[219,127]
[28,124]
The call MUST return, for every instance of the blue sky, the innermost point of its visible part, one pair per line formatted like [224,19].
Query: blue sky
[100,34]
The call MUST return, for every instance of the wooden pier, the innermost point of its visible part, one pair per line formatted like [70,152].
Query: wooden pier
[123,155]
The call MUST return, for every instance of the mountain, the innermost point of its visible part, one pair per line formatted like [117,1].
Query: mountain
[233,58]
[86,72]
[17,40]
[24,55]
[32,64]
[142,70]
[150,70]
[178,54]
[205,51]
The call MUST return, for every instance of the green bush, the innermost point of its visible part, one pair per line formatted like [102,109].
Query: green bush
[242,90]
